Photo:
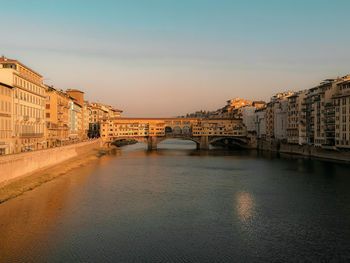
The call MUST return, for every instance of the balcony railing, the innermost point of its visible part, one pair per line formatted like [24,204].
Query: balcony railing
[33,135]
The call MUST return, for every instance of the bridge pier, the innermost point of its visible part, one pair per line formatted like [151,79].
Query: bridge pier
[204,143]
[152,143]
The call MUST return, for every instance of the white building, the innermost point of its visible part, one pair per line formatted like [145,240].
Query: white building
[74,119]
[281,119]
[248,116]
[260,123]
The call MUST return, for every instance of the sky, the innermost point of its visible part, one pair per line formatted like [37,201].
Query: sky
[162,58]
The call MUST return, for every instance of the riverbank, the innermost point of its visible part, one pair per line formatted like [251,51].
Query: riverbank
[56,162]
[304,150]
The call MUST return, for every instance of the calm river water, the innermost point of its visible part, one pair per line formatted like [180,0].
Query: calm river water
[177,204]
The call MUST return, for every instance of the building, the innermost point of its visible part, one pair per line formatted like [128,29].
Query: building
[270,114]
[98,113]
[260,123]
[57,117]
[341,102]
[270,121]
[296,130]
[141,127]
[309,100]
[28,104]
[248,118]
[6,119]
[259,104]
[232,110]
[281,119]
[323,112]
[218,128]
[75,120]
[86,117]
[78,97]
[113,113]
[324,94]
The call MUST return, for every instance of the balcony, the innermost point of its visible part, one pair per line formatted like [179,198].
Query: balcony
[329,121]
[26,118]
[330,113]
[31,135]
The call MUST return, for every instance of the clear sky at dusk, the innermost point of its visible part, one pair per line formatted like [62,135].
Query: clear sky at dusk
[167,58]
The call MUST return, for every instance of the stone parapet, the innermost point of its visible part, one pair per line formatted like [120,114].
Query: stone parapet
[17,165]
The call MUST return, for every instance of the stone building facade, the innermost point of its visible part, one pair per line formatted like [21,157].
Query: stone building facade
[6,119]
[28,104]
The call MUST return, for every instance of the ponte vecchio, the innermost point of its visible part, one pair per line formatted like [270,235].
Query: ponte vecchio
[154,130]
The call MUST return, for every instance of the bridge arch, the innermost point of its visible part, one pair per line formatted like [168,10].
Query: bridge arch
[139,139]
[168,130]
[186,130]
[177,130]
[188,138]
[240,142]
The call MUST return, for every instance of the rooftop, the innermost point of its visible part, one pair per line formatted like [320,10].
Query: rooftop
[3,59]
[74,90]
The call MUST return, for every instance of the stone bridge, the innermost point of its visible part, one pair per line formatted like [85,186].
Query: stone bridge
[154,130]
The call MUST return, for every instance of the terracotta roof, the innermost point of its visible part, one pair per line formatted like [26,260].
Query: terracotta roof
[116,110]
[74,90]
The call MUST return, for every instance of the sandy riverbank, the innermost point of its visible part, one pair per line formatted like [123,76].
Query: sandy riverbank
[26,183]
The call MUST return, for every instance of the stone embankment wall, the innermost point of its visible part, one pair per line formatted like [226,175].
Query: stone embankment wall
[305,150]
[17,165]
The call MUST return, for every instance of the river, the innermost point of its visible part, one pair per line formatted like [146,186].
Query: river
[178,204]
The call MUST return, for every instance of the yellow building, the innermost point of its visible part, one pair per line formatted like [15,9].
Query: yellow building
[6,119]
[233,108]
[98,113]
[86,118]
[57,117]
[219,128]
[114,113]
[140,127]
[28,104]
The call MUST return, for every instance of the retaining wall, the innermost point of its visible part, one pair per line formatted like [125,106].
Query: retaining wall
[17,165]
[306,150]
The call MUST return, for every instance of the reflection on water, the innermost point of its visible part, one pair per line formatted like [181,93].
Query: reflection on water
[178,204]
[244,206]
